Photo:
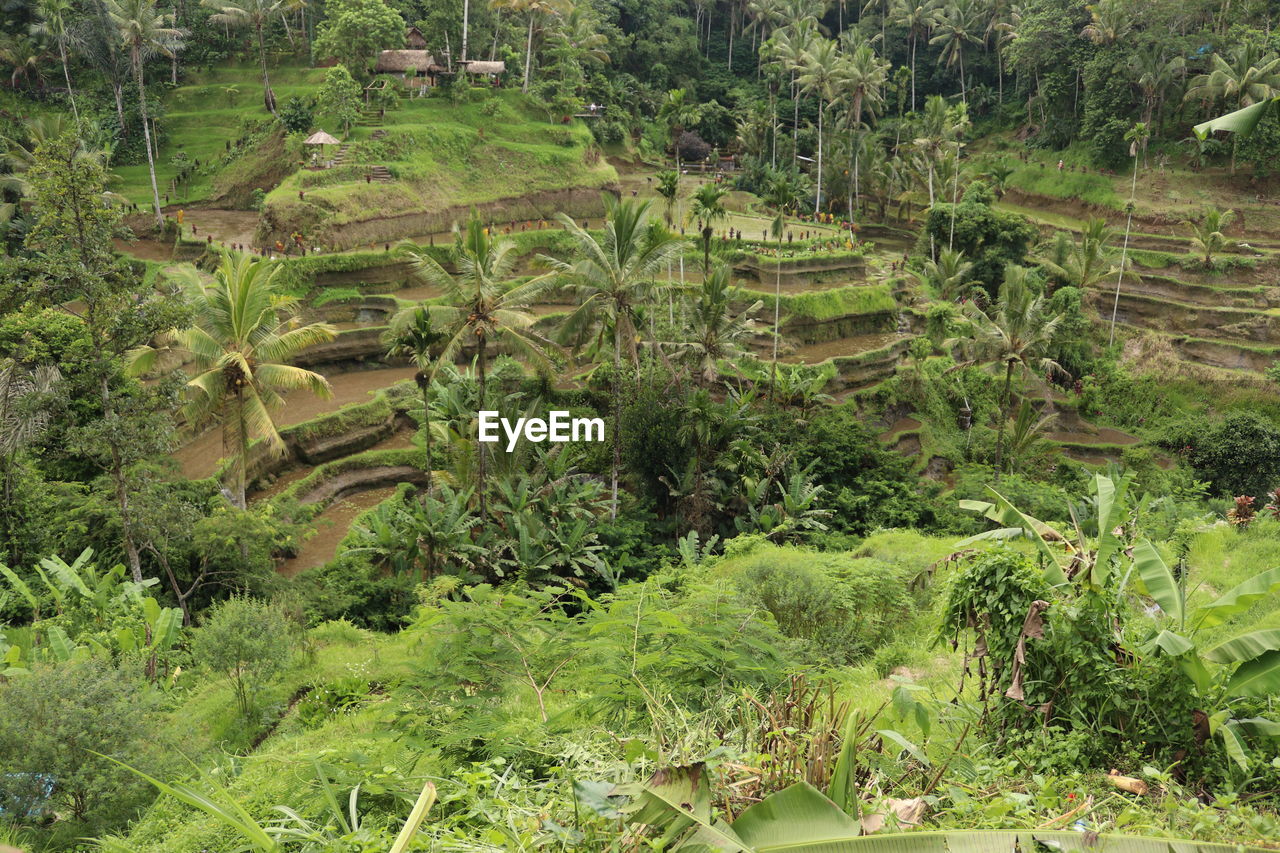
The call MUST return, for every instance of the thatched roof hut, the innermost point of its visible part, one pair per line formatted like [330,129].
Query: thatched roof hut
[404,62]
[320,138]
[414,39]
[477,66]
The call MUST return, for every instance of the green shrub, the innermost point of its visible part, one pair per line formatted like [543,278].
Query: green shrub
[247,641]
[53,722]
[1239,455]
[351,588]
[339,696]
[842,606]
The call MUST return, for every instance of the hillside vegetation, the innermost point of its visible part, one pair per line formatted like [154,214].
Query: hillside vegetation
[931,496]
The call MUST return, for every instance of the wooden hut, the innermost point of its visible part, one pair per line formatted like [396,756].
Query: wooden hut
[414,39]
[415,67]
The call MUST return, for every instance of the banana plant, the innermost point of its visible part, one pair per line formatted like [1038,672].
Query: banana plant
[105,612]
[1066,558]
[676,807]
[1251,660]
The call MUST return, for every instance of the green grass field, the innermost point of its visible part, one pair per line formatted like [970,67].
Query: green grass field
[203,116]
[490,146]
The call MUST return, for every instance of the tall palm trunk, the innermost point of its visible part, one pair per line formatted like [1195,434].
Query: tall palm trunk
[777,311]
[817,194]
[617,418]
[480,472]
[115,90]
[268,96]
[773,128]
[731,16]
[914,36]
[795,121]
[66,73]
[146,137]
[235,443]
[528,55]
[1004,417]
[857,120]
[466,22]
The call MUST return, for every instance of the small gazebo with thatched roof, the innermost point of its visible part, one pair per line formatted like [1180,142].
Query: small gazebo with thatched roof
[485,68]
[321,139]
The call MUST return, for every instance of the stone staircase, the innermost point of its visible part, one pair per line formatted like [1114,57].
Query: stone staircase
[380,175]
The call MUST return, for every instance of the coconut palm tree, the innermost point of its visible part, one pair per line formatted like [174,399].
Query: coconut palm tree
[948,278]
[144,32]
[257,14]
[821,74]
[765,17]
[716,331]
[1207,234]
[1109,22]
[1155,74]
[788,47]
[955,24]
[1084,263]
[484,307]
[862,78]
[708,209]
[99,45]
[668,188]
[412,336]
[916,16]
[245,332]
[53,15]
[1012,336]
[611,277]
[25,55]
[535,9]
[678,112]
[1243,77]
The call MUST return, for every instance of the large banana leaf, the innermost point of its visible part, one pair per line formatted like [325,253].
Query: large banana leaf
[1159,581]
[796,818]
[1014,523]
[1009,841]
[1257,677]
[1239,599]
[20,586]
[1111,508]
[1241,121]
[1260,727]
[1245,647]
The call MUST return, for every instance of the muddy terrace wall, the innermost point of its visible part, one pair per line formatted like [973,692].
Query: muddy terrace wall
[1201,321]
[796,272]
[377,230]
[349,430]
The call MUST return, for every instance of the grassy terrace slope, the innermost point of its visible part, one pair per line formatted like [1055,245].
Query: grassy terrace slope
[494,152]
[202,116]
